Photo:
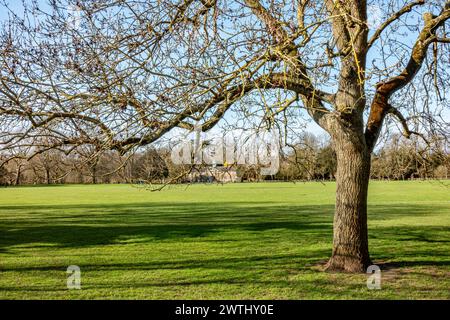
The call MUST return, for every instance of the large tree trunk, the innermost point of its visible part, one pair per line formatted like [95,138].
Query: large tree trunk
[350,241]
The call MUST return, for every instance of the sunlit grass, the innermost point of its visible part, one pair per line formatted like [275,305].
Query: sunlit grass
[252,241]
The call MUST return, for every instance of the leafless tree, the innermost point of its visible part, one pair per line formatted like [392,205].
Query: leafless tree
[121,74]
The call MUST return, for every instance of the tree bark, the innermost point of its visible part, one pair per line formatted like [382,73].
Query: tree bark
[350,241]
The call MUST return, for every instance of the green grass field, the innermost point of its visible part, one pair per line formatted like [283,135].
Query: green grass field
[236,241]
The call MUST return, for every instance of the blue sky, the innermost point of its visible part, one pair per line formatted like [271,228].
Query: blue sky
[312,127]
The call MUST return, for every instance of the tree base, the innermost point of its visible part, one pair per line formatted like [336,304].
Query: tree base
[347,264]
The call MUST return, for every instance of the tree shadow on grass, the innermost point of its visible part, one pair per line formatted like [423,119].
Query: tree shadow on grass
[255,261]
[79,226]
[94,225]
[412,263]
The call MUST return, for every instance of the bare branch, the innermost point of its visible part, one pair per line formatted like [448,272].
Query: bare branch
[407,8]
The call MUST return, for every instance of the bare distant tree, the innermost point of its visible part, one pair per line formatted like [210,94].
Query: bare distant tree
[48,167]
[89,157]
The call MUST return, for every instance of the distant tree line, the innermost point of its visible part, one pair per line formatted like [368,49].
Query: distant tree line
[88,166]
[398,159]
[310,158]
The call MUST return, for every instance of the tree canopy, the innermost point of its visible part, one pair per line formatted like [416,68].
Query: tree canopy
[119,74]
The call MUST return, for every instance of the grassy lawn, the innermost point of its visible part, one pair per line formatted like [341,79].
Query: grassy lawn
[236,241]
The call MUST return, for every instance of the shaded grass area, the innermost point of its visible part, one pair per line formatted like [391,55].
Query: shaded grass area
[237,241]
